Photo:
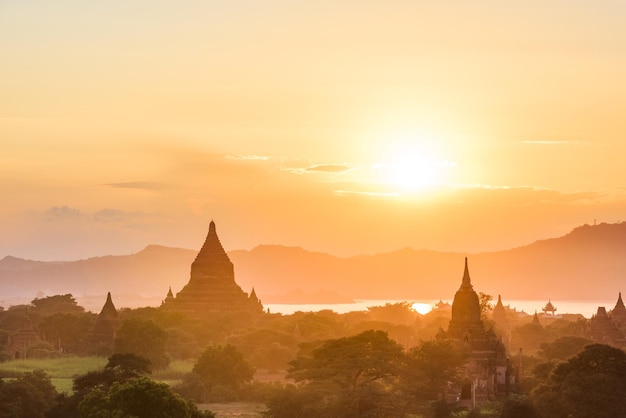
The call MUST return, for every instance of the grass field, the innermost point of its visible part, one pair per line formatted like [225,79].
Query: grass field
[61,370]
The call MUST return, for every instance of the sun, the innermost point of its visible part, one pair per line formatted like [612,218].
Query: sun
[414,165]
[421,308]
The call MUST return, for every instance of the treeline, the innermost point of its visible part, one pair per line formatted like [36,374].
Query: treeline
[384,361]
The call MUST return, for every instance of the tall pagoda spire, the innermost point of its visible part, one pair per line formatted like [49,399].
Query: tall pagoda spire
[108,310]
[211,286]
[466,282]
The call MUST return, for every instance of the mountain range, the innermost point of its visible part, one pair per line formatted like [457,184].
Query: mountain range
[589,263]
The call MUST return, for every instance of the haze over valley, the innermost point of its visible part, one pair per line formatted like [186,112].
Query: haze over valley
[586,264]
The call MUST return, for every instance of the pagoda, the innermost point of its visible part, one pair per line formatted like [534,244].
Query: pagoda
[102,337]
[487,364]
[603,330]
[212,287]
[618,314]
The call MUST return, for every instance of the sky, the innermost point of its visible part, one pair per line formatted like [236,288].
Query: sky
[347,127]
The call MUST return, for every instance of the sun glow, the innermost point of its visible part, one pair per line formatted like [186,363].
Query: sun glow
[421,308]
[414,165]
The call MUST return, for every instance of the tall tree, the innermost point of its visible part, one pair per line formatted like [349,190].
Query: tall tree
[591,384]
[143,338]
[225,366]
[348,377]
[431,366]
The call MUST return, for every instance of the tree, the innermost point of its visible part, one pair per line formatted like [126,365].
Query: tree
[138,398]
[56,304]
[590,384]
[485,302]
[65,330]
[28,396]
[564,347]
[348,377]
[225,366]
[143,338]
[431,366]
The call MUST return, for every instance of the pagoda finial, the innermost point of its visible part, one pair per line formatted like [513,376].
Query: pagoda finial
[467,282]
[212,226]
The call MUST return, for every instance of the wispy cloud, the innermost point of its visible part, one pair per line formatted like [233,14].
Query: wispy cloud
[140,185]
[62,212]
[322,168]
[248,157]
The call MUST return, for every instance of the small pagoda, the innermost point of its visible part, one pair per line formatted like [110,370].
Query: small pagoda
[549,308]
[212,287]
[102,337]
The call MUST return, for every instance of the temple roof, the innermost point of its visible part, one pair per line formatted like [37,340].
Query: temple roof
[466,283]
[619,306]
[108,310]
[212,251]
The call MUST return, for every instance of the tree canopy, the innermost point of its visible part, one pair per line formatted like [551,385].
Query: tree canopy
[591,384]
[144,338]
[348,377]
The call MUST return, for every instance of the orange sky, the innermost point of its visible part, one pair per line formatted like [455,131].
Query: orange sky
[340,126]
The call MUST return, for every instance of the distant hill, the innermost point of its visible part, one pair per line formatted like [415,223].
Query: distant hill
[586,264]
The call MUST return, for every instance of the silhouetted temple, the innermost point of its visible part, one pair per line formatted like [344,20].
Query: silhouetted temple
[23,338]
[618,314]
[102,336]
[487,371]
[212,286]
[603,330]
[499,315]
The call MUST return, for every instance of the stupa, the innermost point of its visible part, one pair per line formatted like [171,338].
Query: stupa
[102,337]
[212,287]
[487,364]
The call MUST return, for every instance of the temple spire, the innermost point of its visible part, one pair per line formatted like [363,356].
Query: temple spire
[467,282]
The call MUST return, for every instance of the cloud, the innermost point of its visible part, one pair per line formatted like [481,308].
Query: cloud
[322,168]
[139,185]
[62,212]
[248,157]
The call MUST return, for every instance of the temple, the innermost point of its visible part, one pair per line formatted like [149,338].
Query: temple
[211,287]
[487,371]
[102,337]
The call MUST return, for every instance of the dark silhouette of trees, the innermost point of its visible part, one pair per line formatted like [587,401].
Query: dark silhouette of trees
[590,384]
[217,375]
[430,367]
[143,338]
[140,398]
[30,396]
[348,377]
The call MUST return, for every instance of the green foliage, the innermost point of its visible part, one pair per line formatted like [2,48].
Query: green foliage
[564,347]
[56,304]
[395,313]
[485,302]
[430,367]
[590,384]
[143,338]
[30,396]
[139,398]
[66,330]
[223,366]
[348,377]
[519,408]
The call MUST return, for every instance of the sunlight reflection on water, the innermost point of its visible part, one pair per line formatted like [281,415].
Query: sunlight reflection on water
[586,308]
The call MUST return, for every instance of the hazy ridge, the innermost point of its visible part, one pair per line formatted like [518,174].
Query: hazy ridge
[588,263]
